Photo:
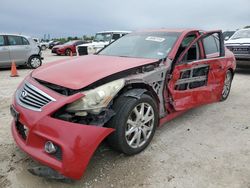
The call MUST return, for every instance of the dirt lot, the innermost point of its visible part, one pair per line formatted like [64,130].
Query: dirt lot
[206,147]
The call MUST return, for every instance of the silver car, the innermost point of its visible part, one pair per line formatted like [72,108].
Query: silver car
[19,49]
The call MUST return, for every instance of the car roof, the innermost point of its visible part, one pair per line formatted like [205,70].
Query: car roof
[14,34]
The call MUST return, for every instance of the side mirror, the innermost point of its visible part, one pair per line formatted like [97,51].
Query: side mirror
[226,38]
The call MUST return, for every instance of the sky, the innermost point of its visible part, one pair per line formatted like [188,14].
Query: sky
[85,17]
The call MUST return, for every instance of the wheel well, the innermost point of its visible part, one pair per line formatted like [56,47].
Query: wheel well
[147,87]
[34,55]
[231,71]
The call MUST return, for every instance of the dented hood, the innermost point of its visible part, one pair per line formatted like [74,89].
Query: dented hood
[79,72]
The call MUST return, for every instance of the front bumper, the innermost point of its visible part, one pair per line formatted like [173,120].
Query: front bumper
[77,142]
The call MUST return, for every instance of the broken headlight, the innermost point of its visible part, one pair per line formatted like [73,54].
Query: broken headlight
[94,100]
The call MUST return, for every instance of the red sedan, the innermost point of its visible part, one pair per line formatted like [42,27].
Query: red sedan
[67,48]
[64,110]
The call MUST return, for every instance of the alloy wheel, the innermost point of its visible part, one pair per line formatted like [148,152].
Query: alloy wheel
[140,125]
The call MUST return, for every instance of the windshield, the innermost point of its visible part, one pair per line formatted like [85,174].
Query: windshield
[102,37]
[142,45]
[241,34]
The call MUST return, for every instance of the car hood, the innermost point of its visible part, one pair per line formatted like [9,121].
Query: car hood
[238,41]
[79,72]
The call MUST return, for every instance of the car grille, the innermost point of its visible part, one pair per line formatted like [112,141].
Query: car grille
[239,49]
[32,98]
[82,50]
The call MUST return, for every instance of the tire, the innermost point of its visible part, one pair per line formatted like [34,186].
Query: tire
[68,52]
[125,108]
[43,47]
[34,62]
[227,85]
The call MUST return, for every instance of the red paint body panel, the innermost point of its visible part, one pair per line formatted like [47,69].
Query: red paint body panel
[78,141]
[61,49]
[79,72]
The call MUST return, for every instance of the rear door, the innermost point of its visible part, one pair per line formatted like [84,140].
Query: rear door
[4,52]
[19,49]
[192,77]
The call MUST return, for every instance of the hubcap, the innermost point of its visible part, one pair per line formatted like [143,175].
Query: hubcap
[35,62]
[227,84]
[139,125]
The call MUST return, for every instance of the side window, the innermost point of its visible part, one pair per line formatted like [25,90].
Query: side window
[115,36]
[1,40]
[25,41]
[193,52]
[15,40]
[211,46]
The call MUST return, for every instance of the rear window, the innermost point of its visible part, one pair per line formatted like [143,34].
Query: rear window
[1,40]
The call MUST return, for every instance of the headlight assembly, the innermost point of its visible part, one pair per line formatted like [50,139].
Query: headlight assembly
[94,100]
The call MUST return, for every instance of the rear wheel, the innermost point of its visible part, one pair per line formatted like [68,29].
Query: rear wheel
[227,85]
[134,123]
[34,62]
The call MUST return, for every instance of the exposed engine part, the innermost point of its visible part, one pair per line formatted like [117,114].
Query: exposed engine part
[89,119]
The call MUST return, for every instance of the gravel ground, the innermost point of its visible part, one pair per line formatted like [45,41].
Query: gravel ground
[206,147]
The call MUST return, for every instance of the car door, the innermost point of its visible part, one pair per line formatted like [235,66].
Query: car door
[4,52]
[192,79]
[19,50]
[214,51]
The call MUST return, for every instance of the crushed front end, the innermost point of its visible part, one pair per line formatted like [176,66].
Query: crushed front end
[34,128]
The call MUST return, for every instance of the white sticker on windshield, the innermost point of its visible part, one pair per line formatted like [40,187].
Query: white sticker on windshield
[155,39]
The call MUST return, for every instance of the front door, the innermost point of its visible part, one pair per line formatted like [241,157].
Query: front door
[192,77]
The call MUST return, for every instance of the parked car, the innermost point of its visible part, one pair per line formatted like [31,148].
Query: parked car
[239,44]
[44,45]
[54,43]
[64,110]
[227,34]
[67,48]
[41,44]
[101,40]
[20,49]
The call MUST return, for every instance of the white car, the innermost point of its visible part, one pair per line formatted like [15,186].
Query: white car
[101,40]
[42,45]
[20,49]
[239,44]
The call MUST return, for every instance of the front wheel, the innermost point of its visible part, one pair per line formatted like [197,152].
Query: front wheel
[68,52]
[134,123]
[34,62]
[227,85]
